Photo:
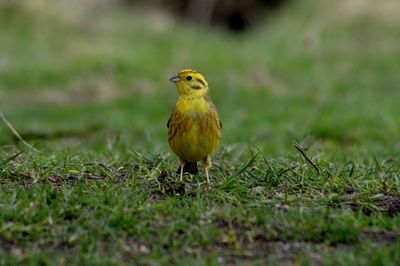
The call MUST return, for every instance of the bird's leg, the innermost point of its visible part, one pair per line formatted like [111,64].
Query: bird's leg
[207,164]
[208,177]
[182,165]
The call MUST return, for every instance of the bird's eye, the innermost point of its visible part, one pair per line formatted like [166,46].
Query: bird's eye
[189,78]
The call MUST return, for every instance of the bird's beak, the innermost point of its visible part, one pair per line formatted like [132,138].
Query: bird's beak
[175,79]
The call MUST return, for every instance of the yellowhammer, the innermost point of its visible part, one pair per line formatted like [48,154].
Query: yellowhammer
[194,129]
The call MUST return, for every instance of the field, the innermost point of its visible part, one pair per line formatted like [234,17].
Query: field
[308,171]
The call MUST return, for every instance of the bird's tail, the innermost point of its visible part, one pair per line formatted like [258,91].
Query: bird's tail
[189,167]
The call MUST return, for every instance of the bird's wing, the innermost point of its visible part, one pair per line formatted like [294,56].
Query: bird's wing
[215,114]
[170,119]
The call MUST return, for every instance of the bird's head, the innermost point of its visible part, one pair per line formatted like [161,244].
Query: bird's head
[190,83]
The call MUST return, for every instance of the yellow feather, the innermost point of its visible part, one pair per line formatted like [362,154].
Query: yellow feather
[194,127]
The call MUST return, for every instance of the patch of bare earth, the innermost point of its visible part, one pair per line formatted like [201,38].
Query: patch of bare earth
[388,204]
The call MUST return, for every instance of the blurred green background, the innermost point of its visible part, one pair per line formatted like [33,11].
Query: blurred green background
[85,75]
[86,83]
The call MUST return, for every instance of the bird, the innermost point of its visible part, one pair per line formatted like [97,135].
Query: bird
[194,127]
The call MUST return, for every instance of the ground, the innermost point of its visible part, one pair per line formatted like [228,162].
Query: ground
[88,88]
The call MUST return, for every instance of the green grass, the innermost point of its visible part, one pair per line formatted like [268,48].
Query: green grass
[90,91]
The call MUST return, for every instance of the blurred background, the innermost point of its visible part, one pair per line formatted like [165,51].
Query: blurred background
[92,76]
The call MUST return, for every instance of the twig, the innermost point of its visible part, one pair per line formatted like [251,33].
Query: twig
[9,159]
[8,124]
[303,153]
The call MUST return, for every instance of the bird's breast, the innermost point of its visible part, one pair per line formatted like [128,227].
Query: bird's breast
[194,132]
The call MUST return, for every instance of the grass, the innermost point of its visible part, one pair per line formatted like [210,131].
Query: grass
[89,90]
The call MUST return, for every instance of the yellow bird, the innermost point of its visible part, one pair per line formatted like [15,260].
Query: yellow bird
[194,129]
